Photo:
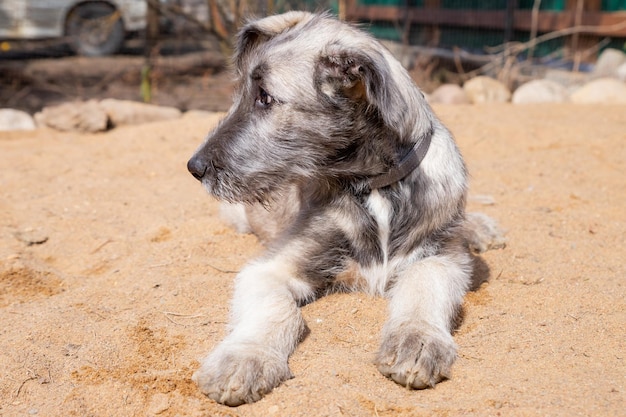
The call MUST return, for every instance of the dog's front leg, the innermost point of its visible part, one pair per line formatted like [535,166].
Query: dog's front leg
[266,325]
[417,348]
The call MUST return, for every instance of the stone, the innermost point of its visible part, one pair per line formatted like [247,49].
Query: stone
[608,62]
[483,89]
[11,119]
[540,91]
[449,94]
[568,79]
[124,112]
[601,91]
[80,116]
[621,72]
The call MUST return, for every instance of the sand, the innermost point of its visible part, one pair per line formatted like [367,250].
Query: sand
[116,272]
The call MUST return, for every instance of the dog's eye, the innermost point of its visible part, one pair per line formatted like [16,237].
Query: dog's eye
[263,100]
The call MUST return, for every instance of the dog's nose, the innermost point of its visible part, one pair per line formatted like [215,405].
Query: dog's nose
[197,167]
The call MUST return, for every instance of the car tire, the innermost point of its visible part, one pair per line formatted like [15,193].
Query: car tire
[95,29]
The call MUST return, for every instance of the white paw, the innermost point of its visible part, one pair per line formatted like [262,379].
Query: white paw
[242,373]
[416,358]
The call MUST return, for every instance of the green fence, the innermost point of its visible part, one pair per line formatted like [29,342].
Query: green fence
[476,39]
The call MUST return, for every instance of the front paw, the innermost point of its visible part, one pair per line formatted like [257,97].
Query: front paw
[243,373]
[416,358]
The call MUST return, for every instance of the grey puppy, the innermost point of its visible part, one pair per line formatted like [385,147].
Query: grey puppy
[347,174]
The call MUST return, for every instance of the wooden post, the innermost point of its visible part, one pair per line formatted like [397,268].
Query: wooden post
[433,34]
[579,43]
[342,9]
[511,5]
[152,35]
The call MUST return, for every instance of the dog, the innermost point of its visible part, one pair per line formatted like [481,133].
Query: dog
[332,156]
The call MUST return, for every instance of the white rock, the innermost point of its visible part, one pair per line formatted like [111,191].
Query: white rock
[621,72]
[601,91]
[449,94]
[540,91]
[81,116]
[608,62]
[11,119]
[486,90]
[568,79]
[124,112]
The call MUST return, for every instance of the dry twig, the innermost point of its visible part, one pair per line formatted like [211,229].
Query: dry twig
[505,55]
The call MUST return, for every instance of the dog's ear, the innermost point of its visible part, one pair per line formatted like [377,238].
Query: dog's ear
[346,73]
[256,32]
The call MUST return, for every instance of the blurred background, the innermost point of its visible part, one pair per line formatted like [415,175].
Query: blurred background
[176,52]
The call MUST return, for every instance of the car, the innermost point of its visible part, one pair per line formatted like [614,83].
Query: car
[92,27]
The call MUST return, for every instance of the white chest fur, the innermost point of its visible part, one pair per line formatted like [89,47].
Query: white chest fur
[377,275]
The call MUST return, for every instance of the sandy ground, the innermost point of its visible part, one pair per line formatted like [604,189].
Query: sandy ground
[116,272]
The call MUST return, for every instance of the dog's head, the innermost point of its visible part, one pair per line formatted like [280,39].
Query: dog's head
[317,100]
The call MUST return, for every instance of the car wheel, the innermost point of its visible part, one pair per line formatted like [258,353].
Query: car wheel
[95,29]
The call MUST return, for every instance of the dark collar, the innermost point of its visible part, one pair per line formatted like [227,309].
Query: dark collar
[407,164]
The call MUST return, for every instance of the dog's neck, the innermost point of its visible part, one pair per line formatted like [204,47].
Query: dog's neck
[408,163]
